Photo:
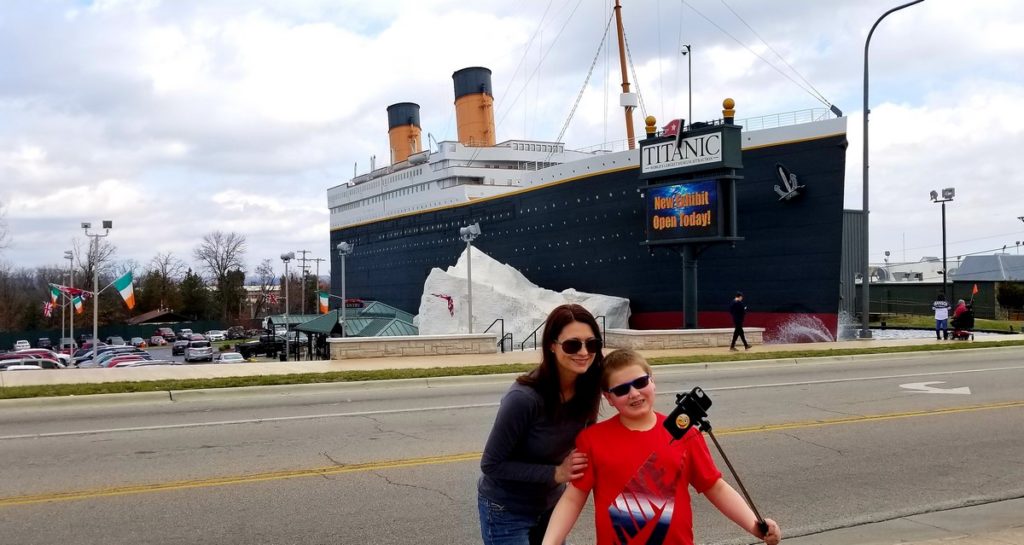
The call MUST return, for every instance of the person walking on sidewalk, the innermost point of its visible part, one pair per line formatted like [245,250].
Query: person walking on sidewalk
[739,311]
[941,308]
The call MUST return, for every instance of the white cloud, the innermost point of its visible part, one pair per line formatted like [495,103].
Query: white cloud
[178,118]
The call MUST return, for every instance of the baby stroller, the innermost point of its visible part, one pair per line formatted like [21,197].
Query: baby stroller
[963,324]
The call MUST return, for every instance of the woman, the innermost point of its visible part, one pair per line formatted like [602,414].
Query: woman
[528,457]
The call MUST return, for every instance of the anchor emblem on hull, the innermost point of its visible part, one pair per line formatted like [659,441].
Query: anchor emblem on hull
[790,186]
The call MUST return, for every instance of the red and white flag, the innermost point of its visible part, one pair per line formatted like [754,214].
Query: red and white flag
[672,128]
[272,298]
[47,309]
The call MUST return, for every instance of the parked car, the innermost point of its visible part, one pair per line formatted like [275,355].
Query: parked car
[199,351]
[270,345]
[116,341]
[44,342]
[38,361]
[230,357]
[139,342]
[84,338]
[215,335]
[20,367]
[68,345]
[167,333]
[178,348]
[235,332]
[184,334]
[43,353]
[157,340]
[22,345]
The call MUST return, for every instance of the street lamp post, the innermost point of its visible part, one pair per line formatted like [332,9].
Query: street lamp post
[70,256]
[286,257]
[94,252]
[947,195]
[469,233]
[344,249]
[689,82]
[865,332]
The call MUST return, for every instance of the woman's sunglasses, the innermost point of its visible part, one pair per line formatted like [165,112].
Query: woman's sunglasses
[622,389]
[572,346]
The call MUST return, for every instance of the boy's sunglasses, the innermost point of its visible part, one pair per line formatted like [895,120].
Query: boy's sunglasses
[572,346]
[622,389]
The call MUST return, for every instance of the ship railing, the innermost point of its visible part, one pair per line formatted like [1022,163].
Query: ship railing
[771,121]
[501,342]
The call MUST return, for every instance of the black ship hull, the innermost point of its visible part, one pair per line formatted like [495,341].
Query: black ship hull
[586,233]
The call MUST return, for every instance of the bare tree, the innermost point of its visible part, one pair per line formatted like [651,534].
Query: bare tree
[221,252]
[267,280]
[166,271]
[221,255]
[100,258]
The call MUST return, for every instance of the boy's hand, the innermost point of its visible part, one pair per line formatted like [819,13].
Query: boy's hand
[774,534]
[571,467]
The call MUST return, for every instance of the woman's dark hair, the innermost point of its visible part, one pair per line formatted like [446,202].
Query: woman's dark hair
[544,378]
[940,297]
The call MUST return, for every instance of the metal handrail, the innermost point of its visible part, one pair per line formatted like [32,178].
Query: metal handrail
[604,325]
[502,341]
[522,345]
[511,343]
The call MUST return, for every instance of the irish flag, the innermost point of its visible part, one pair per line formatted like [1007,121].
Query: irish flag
[77,302]
[124,286]
[54,293]
[323,302]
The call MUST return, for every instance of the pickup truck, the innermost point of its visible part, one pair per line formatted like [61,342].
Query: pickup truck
[268,345]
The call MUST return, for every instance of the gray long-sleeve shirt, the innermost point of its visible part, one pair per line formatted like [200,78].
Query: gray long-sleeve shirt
[522,452]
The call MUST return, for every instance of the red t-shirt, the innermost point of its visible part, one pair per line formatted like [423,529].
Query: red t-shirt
[640,479]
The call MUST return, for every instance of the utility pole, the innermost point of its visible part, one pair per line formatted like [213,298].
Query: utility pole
[318,260]
[302,267]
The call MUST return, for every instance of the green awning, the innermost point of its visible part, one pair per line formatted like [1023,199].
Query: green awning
[325,324]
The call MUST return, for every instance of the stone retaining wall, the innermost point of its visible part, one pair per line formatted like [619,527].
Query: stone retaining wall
[413,345]
[660,339]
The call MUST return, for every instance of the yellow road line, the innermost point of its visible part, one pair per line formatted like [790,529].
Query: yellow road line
[445,459]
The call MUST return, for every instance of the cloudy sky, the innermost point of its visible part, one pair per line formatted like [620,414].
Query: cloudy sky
[176,118]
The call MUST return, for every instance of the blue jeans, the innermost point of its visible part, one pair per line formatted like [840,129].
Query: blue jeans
[501,526]
[940,325]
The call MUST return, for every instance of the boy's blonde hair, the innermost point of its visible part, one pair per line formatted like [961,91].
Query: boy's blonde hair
[621,359]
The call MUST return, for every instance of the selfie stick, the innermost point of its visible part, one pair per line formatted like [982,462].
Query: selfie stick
[691,410]
[761,524]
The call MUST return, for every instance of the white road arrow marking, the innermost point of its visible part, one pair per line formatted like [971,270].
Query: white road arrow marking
[926,388]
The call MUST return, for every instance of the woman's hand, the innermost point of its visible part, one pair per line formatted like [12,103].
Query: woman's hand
[571,467]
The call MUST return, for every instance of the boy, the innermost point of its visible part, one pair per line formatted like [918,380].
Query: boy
[639,475]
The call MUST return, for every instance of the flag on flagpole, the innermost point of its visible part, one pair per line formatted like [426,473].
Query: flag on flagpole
[77,302]
[975,290]
[54,293]
[124,286]
[323,302]
[272,298]
[47,309]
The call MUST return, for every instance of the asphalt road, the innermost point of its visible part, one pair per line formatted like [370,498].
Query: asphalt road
[819,446]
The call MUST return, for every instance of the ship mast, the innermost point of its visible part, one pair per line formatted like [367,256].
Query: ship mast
[628,100]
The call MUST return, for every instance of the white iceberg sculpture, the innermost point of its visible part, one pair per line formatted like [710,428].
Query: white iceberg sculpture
[500,291]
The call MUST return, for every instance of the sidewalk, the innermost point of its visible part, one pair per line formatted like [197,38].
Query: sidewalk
[194,371]
[997,523]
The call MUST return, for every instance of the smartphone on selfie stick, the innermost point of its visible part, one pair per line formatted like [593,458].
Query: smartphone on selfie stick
[692,410]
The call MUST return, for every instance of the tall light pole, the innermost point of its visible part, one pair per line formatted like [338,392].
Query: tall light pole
[865,332]
[947,195]
[286,257]
[344,249]
[469,233]
[689,82]
[94,253]
[70,256]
